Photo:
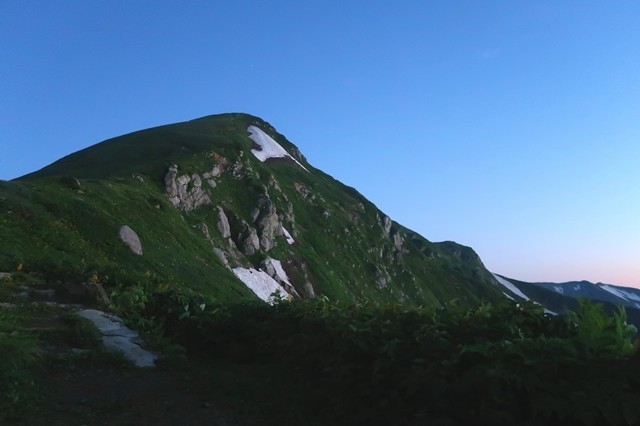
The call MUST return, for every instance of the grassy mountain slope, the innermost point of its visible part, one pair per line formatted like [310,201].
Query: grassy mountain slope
[63,220]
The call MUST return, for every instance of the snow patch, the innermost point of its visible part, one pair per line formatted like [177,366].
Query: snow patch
[269,148]
[288,236]
[558,289]
[280,272]
[576,287]
[260,283]
[623,294]
[509,296]
[515,290]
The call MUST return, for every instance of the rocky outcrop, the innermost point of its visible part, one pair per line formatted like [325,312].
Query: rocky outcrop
[275,270]
[250,243]
[221,256]
[267,221]
[185,192]
[117,336]
[398,242]
[386,225]
[223,223]
[304,192]
[383,279]
[131,239]
[297,154]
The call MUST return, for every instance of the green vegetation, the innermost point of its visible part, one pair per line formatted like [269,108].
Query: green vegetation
[63,222]
[497,364]
[402,331]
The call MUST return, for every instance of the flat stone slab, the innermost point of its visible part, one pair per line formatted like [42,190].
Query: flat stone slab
[117,336]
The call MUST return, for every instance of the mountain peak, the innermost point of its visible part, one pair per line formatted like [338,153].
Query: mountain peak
[226,206]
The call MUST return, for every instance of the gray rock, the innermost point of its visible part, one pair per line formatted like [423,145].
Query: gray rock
[185,192]
[223,223]
[268,222]
[308,290]
[251,243]
[398,242]
[215,172]
[5,275]
[386,225]
[220,255]
[170,185]
[205,231]
[117,336]
[382,278]
[130,238]
[304,192]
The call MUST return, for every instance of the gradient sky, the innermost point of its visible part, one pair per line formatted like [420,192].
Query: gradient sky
[509,126]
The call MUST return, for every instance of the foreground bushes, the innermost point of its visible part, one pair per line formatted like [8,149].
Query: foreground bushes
[505,364]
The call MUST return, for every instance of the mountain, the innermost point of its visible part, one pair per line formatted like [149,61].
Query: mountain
[224,207]
[563,297]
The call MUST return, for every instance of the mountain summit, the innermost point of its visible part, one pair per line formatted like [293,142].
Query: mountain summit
[226,207]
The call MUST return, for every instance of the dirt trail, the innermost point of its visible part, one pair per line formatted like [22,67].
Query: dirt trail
[98,391]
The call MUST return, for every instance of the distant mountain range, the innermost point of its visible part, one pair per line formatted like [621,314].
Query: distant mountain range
[563,297]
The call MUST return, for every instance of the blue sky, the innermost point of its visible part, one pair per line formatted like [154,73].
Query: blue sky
[509,126]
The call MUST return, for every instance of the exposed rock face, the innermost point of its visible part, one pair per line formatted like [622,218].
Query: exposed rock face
[304,191]
[185,192]
[382,278]
[386,225]
[223,223]
[170,184]
[250,243]
[268,222]
[221,256]
[275,270]
[297,154]
[131,239]
[398,242]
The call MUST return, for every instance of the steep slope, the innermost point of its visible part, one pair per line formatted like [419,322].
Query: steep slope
[226,207]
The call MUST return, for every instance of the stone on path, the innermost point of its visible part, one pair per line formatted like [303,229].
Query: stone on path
[117,336]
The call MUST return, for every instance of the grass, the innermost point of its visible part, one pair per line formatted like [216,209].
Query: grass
[54,228]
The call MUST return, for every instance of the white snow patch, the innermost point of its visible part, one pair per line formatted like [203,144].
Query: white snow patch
[576,287]
[280,272]
[268,147]
[260,283]
[288,236]
[511,287]
[509,296]
[559,289]
[624,294]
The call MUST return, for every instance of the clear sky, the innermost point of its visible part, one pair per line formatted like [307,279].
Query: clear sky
[509,126]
